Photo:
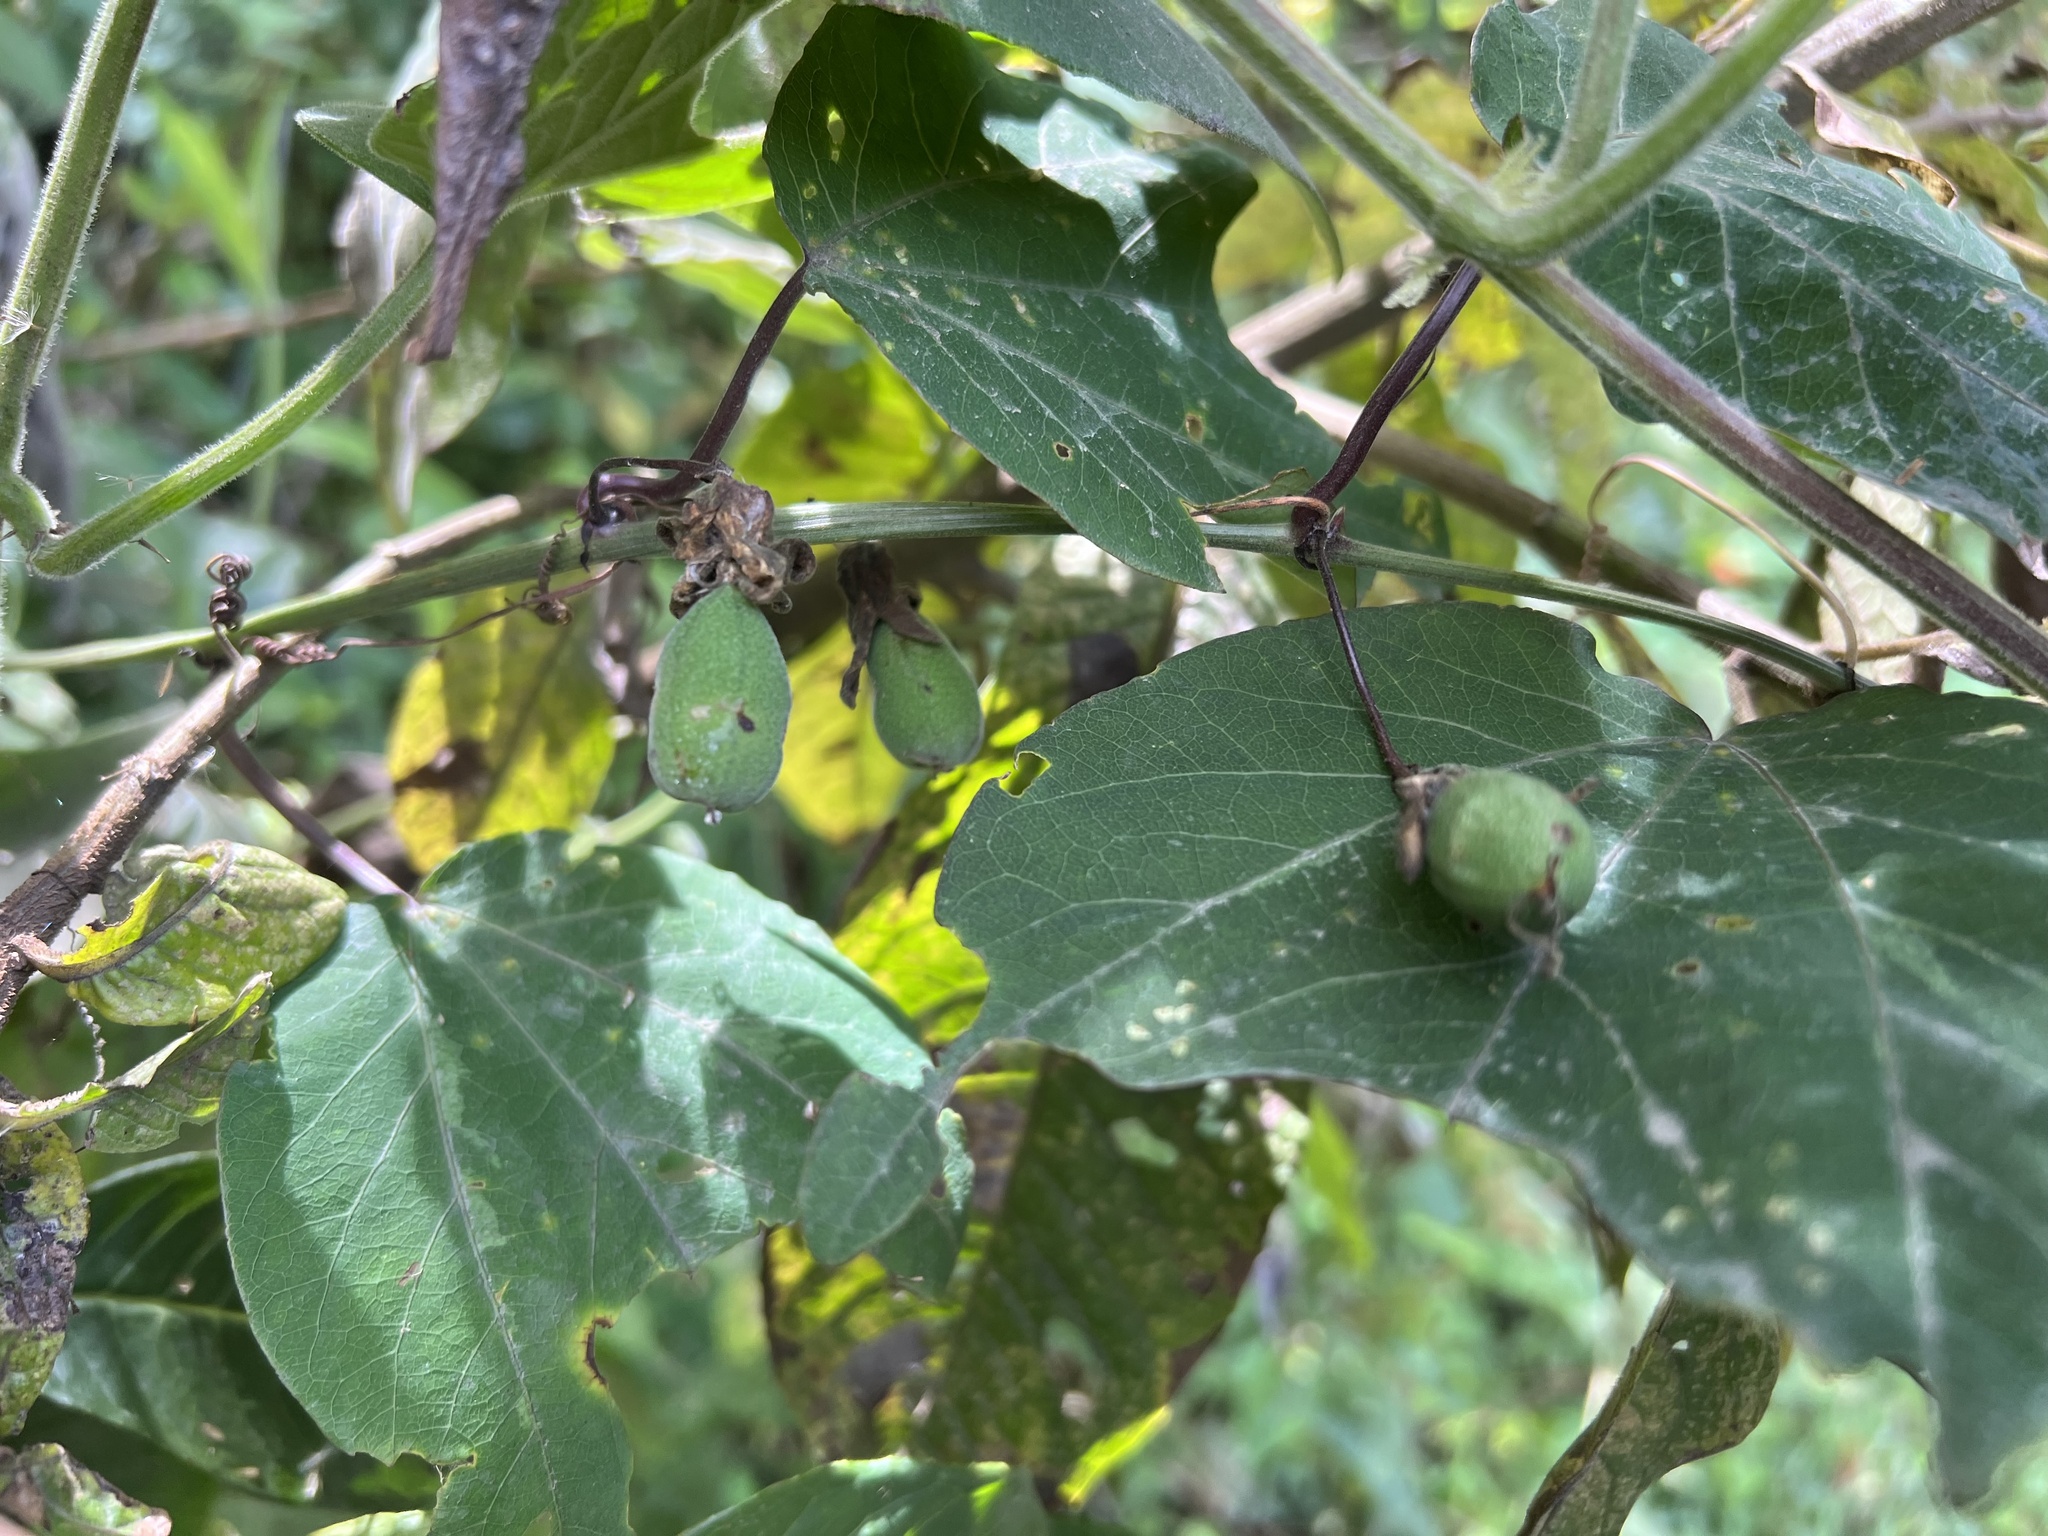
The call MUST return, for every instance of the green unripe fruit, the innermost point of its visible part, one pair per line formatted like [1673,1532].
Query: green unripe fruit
[721,705]
[1497,840]
[926,710]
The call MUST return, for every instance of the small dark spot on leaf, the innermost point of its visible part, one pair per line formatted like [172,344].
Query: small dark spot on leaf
[746,721]
[1686,968]
[1062,451]
[590,1348]
[1197,427]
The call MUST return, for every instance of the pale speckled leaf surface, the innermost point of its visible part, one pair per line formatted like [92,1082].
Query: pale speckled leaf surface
[492,1117]
[1796,1050]
[1845,310]
[225,913]
[1044,282]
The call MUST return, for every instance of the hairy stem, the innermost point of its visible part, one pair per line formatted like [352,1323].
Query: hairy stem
[85,147]
[1731,435]
[828,522]
[1455,209]
[241,450]
[1602,73]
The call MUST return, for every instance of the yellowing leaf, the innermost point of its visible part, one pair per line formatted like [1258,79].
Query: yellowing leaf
[223,913]
[927,972]
[505,729]
[858,433]
[838,779]
[730,176]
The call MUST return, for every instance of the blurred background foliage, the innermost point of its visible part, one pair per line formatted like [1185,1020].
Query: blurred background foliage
[1427,1324]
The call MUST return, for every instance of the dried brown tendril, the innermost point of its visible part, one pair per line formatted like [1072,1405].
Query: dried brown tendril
[721,534]
[868,578]
[224,609]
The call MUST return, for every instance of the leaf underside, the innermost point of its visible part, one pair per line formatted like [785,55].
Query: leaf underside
[1043,281]
[1794,1050]
[1851,313]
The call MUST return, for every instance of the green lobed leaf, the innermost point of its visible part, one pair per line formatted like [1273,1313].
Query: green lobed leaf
[891,1497]
[494,1114]
[1697,1382]
[226,913]
[1042,280]
[873,1157]
[1793,1050]
[1851,313]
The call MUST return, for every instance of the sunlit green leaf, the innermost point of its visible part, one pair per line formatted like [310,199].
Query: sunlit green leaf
[554,1083]
[1789,1038]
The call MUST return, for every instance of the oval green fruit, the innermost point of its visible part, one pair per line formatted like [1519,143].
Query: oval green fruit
[926,709]
[1493,836]
[721,705]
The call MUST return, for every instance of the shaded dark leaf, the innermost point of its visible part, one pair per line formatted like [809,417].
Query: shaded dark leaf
[1697,1382]
[1044,280]
[1793,1050]
[1851,313]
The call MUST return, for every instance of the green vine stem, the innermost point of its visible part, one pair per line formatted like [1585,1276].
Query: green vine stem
[837,523]
[241,450]
[1602,73]
[1730,434]
[1456,210]
[85,147]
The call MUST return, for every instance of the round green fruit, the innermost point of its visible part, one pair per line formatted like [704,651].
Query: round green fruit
[926,709]
[1495,839]
[721,705]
